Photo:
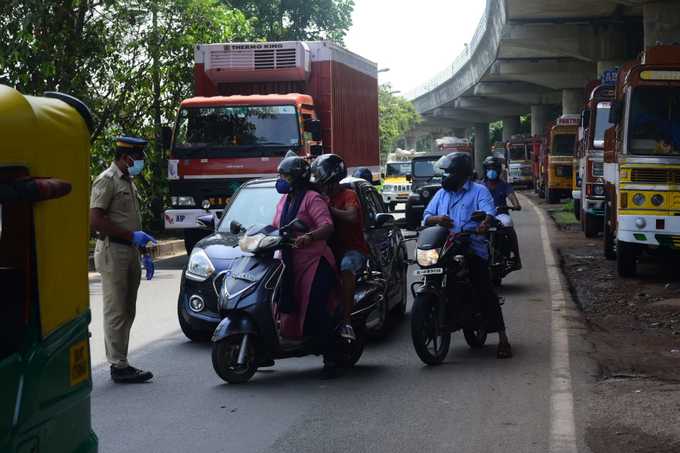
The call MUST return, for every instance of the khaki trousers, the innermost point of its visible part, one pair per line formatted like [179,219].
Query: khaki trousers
[121,273]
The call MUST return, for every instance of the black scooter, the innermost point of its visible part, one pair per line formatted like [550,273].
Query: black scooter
[500,249]
[248,335]
[442,257]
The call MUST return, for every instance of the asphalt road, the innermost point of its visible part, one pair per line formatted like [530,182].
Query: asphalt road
[390,402]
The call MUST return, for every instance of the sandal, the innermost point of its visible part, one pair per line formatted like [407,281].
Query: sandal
[504,351]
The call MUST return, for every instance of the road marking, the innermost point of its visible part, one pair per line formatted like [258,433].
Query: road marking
[562,424]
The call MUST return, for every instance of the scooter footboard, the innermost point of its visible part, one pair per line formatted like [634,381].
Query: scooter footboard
[238,324]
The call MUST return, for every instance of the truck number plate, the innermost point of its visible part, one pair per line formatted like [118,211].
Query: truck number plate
[433,271]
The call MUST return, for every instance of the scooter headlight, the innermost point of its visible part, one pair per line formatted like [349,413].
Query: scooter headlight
[427,258]
[200,268]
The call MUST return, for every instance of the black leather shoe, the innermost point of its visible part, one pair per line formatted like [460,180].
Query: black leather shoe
[129,375]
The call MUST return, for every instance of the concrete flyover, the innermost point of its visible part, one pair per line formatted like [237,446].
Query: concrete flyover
[532,56]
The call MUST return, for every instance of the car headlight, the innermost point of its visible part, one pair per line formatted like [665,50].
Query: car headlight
[182,201]
[599,190]
[200,268]
[427,258]
[657,200]
[638,199]
[388,188]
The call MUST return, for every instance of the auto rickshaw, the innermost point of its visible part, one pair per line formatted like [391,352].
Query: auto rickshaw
[45,374]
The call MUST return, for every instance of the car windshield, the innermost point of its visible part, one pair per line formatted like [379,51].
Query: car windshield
[398,169]
[219,128]
[518,152]
[252,205]
[601,123]
[423,168]
[655,121]
[563,145]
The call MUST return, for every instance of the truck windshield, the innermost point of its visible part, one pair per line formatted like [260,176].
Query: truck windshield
[518,152]
[655,121]
[601,123]
[230,128]
[423,168]
[563,145]
[253,205]
[398,169]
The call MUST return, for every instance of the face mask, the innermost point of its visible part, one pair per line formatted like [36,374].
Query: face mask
[452,183]
[136,168]
[283,186]
[492,174]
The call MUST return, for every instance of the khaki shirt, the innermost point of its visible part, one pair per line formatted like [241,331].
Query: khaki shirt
[118,197]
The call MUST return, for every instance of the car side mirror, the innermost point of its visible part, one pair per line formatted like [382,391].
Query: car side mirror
[615,112]
[235,228]
[166,137]
[206,222]
[313,126]
[383,220]
[478,216]
[409,178]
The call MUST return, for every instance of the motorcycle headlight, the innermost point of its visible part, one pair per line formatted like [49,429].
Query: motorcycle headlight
[427,258]
[200,268]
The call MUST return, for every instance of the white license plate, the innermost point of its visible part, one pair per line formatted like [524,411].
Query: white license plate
[434,271]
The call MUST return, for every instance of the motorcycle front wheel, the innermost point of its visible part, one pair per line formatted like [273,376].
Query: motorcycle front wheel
[225,360]
[430,342]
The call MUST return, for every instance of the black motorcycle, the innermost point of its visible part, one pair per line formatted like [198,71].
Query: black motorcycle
[248,335]
[500,249]
[444,301]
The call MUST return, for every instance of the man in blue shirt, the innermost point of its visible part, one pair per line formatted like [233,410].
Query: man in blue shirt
[452,207]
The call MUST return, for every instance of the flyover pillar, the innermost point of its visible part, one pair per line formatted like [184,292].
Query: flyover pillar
[539,119]
[511,126]
[572,101]
[482,145]
[661,22]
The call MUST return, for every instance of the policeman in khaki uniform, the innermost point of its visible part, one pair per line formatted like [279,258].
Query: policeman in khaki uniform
[115,216]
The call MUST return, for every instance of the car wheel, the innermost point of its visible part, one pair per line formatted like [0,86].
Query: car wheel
[225,360]
[430,342]
[199,336]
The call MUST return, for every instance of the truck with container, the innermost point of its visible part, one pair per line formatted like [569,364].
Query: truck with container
[253,103]
[557,159]
[642,160]
[589,185]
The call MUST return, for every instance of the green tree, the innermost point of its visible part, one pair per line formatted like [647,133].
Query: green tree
[282,20]
[397,116]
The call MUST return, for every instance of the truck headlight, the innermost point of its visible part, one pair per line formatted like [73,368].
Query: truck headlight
[638,199]
[657,200]
[182,201]
[427,258]
[200,268]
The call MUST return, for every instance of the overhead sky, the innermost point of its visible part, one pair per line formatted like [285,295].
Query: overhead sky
[414,39]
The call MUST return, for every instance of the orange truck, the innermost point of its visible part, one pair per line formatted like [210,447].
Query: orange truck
[253,103]
[557,159]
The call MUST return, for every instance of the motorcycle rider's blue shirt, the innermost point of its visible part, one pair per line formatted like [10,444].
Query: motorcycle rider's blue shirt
[459,207]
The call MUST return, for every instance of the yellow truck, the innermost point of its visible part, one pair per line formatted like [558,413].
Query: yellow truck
[558,159]
[397,183]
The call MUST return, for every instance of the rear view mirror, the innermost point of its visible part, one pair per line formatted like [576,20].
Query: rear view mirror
[384,220]
[585,118]
[166,137]
[313,127]
[615,112]
[206,222]
[235,228]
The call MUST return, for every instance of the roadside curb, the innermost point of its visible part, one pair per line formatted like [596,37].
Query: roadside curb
[164,249]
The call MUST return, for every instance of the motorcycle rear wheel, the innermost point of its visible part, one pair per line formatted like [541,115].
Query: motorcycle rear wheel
[349,354]
[224,360]
[431,344]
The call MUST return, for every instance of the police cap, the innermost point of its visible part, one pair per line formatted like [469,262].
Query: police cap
[126,144]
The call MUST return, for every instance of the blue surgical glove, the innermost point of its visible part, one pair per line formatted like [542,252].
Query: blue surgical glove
[140,239]
[148,265]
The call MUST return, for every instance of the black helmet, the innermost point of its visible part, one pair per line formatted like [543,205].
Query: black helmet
[457,168]
[296,167]
[328,169]
[363,173]
[493,163]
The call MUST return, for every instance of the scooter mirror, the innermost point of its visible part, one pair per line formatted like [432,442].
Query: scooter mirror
[235,227]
